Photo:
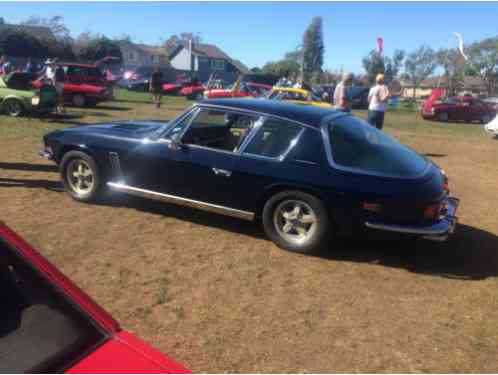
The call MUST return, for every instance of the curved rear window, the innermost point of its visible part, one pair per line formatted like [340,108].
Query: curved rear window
[357,145]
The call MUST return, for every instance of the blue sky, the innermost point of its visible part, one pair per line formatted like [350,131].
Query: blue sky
[256,32]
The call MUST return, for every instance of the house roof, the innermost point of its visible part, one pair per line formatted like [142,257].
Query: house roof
[240,66]
[39,32]
[153,50]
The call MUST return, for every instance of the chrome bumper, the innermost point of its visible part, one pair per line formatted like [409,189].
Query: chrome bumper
[46,154]
[436,232]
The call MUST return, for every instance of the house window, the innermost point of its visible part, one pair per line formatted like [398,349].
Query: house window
[131,56]
[218,64]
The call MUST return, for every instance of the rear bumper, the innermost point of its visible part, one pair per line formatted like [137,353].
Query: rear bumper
[436,232]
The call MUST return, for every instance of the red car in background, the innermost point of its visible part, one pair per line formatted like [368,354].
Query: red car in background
[193,91]
[246,89]
[457,108]
[80,94]
[48,325]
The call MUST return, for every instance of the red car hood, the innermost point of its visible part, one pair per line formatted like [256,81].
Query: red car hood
[435,95]
[126,354]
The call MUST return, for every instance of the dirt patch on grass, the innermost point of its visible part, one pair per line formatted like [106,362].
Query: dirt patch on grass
[215,294]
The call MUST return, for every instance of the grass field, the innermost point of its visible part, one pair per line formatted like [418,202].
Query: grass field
[215,294]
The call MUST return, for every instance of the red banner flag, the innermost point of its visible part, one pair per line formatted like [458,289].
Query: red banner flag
[380,44]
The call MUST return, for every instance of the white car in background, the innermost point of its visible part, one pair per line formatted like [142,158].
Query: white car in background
[492,126]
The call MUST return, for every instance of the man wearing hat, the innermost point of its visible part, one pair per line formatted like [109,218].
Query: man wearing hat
[377,102]
[342,98]
[50,70]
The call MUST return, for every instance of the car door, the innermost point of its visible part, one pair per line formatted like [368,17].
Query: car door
[209,150]
[157,166]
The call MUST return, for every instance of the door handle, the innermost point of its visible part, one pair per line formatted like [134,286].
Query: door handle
[221,172]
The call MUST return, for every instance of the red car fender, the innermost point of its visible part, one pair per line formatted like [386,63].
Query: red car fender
[126,354]
[58,278]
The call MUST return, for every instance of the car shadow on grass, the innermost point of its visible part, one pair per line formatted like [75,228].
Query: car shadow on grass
[113,108]
[29,167]
[31,184]
[469,254]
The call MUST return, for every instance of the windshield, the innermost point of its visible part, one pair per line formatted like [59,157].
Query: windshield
[358,146]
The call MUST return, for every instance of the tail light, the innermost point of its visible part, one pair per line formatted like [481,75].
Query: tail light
[432,212]
[445,185]
[372,207]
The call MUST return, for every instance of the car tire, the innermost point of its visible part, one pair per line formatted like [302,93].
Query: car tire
[443,116]
[13,107]
[79,100]
[485,119]
[296,221]
[80,176]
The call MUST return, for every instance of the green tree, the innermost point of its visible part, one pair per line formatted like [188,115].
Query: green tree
[483,57]
[313,50]
[55,24]
[419,65]
[98,48]
[283,68]
[21,44]
[256,70]
[373,64]
[454,65]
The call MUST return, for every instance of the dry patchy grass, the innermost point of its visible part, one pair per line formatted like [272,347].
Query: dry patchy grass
[214,293]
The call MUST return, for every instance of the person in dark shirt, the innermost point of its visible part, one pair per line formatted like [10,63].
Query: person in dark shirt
[59,78]
[156,86]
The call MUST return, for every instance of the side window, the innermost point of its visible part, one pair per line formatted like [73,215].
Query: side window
[175,133]
[219,129]
[274,138]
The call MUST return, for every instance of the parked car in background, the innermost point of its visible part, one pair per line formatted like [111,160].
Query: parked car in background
[493,101]
[359,97]
[308,172]
[18,97]
[49,325]
[264,79]
[247,89]
[458,108]
[298,96]
[193,91]
[492,127]
[80,94]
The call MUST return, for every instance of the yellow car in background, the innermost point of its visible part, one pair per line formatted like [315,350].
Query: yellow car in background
[299,96]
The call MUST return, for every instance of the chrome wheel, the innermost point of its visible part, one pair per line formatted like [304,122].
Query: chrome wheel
[80,177]
[295,221]
[13,108]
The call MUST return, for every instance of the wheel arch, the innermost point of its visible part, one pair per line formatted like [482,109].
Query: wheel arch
[21,100]
[278,188]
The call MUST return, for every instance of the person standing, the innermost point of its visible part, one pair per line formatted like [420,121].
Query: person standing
[377,102]
[342,98]
[59,78]
[156,86]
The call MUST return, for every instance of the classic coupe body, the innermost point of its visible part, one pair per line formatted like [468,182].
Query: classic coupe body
[308,172]
[48,325]
[298,96]
[459,108]
[17,96]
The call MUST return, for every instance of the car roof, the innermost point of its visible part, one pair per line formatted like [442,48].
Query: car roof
[307,114]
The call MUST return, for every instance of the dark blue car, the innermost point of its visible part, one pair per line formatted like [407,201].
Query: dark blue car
[309,173]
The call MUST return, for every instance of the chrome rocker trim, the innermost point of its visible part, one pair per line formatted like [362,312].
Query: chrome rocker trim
[245,215]
[437,232]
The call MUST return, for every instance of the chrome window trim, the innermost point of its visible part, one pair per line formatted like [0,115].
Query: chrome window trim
[193,110]
[210,207]
[264,114]
[327,125]
[225,109]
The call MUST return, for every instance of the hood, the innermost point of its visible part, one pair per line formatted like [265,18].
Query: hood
[126,129]
[435,95]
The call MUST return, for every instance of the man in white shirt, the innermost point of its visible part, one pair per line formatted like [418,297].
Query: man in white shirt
[377,102]
[342,98]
